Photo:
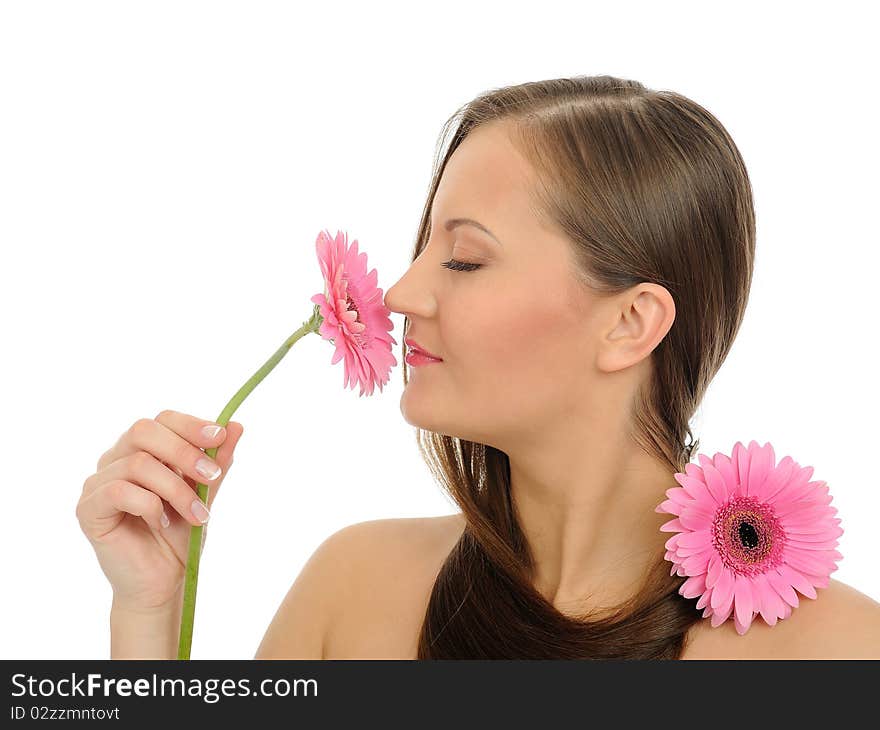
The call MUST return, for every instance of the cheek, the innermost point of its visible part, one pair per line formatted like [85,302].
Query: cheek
[524,345]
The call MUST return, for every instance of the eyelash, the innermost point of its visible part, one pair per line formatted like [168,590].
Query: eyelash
[460,265]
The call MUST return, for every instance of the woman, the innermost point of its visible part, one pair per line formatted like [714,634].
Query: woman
[581,269]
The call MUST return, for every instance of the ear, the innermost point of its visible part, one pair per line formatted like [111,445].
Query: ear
[640,319]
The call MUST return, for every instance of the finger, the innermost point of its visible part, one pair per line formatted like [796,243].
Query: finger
[185,426]
[167,445]
[224,457]
[145,470]
[102,510]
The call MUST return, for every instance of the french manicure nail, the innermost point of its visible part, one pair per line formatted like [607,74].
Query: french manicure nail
[210,432]
[164,519]
[208,468]
[200,511]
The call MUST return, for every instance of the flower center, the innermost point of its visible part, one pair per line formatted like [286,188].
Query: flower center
[358,330]
[748,536]
[351,306]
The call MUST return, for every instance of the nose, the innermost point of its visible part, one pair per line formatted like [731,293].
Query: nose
[411,295]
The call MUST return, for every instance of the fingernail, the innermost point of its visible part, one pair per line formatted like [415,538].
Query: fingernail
[208,468]
[200,511]
[164,519]
[210,432]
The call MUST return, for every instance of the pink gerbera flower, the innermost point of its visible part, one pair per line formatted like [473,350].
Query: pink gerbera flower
[750,532]
[350,313]
[356,319]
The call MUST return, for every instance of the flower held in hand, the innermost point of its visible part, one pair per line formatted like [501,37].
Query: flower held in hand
[351,313]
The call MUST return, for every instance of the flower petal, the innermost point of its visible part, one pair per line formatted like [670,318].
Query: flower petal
[713,571]
[715,484]
[695,489]
[727,471]
[685,552]
[673,525]
[693,586]
[741,458]
[697,564]
[782,585]
[812,562]
[743,600]
[800,512]
[669,507]
[722,592]
[759,468]
[704,600]
[769,604]
[811,530]
[778,478]
[741,628]
[693,518]
[720,615]
[794,490]
[813,545]
[801,582]
[679,495]
[698,539]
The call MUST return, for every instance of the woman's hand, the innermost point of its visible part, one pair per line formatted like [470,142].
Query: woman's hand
[149,474]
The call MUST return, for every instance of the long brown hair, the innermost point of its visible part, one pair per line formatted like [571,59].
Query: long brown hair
[649,187]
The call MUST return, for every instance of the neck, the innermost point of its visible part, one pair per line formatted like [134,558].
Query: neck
[585,501]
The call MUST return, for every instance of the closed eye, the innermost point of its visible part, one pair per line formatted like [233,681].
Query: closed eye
[460,265]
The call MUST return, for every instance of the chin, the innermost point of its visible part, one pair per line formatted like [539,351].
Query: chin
[416,415]
[421,417]
[423,413]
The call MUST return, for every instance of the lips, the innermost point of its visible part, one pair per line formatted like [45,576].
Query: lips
[415,346]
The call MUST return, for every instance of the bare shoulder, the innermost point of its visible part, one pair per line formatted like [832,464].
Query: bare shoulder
[407,545]
[358,578]
[365,550]
[840,623]
[393,565]
[388,537]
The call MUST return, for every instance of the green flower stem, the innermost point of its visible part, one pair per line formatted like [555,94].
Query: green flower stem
[195,534]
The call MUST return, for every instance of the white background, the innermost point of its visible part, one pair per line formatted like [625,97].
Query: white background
[165,168]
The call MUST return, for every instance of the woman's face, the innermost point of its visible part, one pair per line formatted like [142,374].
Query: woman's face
[514,334]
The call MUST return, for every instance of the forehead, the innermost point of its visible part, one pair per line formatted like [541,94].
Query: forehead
[486,175]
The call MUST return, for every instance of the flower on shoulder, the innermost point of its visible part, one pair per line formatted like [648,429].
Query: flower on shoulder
[749,533]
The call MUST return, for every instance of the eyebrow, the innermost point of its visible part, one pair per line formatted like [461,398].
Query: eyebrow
[453,223]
